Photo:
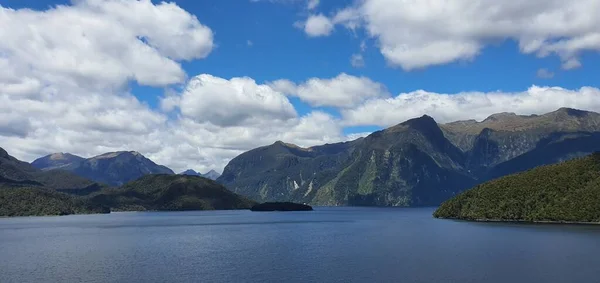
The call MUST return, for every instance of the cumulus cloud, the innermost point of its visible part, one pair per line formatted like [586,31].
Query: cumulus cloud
[312,4]
[416,34]
[100,44]
[209,98]
[469,105]
[341,91]
[317,25]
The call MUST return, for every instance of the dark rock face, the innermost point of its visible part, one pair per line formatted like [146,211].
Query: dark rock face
[113,168]
[281,206]
[415,163]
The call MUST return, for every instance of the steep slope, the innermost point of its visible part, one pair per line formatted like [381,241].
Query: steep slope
[113,168]
[414,163]
[171,192]
[57,161]
[568,191]
[409,164]
[16,172]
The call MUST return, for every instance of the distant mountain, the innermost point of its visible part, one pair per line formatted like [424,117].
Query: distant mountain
[212,174]
[190,172]
[502,137]
[568,191]
[27,191]
[415,163]
[171,192]
[113,168]
[14,172]
[57,161]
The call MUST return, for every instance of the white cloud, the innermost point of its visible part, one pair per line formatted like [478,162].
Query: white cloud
[101,44]
[312,4]
[544,73]
[416,34]
[317,25]
[357,60]
[469,105]
[212,99]
[204,146]
[341,91]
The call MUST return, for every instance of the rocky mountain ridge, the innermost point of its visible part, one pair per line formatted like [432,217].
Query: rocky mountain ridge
[112,168]
[418,162]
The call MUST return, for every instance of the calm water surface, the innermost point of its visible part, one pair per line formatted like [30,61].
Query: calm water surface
[326,245]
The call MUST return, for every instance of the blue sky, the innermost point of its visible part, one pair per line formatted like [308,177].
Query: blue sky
[280,50]
[269,40]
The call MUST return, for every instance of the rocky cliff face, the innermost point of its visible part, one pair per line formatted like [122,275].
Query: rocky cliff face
[415,163]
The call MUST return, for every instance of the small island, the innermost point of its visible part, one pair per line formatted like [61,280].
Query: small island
[567,192]
[281,206]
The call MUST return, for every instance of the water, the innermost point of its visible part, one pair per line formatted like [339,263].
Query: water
[326,245]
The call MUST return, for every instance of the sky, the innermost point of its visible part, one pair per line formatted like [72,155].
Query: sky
[192,84]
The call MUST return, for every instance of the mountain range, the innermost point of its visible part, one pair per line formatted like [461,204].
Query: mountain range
[212,174]
[14,172]
[113,168]
[26,190]
[416,163]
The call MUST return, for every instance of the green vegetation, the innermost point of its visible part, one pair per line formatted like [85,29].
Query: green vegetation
[170,192]
[31,201]
[28,191]
[416,163]
[567,191]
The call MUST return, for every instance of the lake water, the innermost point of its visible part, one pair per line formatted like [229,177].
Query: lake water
[325,245]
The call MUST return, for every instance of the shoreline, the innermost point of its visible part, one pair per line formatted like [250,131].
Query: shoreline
[516,221]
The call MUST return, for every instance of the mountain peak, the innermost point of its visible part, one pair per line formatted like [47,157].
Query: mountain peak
[212,174]
[190,172]
[424,121]
[571,112]
[117,153]
[57,160]
[500,116]
[61,156]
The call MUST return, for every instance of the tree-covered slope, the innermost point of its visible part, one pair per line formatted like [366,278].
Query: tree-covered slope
[38,201]
[171,192]
[567,191]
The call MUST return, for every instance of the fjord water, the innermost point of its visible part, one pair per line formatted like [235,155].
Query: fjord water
[325,245]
